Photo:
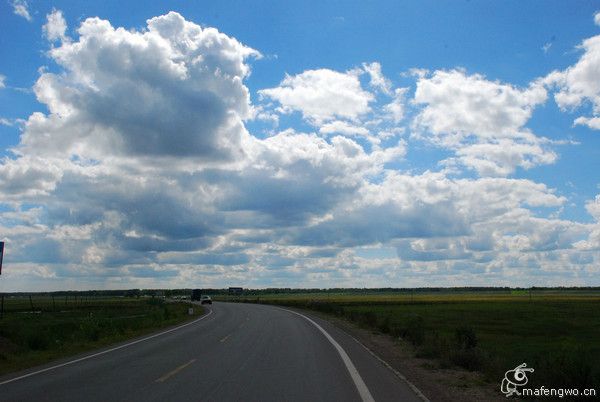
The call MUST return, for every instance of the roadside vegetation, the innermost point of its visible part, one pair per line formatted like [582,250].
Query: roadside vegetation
[554,331]
[41,328]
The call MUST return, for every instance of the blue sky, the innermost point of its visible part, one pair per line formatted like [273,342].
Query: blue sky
[316,144]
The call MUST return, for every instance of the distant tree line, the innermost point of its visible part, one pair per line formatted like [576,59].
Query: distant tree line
[266,291]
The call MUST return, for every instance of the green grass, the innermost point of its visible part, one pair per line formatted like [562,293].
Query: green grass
[54,330]
[555,332]
[506,333]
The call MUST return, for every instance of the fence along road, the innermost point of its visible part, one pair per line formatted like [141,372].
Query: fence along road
[237,352]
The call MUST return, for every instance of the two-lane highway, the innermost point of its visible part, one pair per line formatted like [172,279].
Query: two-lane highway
[237,352]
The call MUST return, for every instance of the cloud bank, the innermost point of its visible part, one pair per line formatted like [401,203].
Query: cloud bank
[142,172]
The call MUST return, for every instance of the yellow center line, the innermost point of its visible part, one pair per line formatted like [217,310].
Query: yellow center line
[172,373]
[224,339]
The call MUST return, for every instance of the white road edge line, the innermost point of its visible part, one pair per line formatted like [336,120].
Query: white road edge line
[105,351]
[398,374]
[358,381]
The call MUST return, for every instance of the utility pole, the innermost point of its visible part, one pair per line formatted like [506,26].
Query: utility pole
[1,255]
[1,258]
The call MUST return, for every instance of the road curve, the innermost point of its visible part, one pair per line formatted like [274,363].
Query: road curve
[239,352]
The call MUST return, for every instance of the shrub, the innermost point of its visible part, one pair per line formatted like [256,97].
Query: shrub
[569,367]
[470,358]
[37,340]
[369,319]
[166,313]
[353,316]
[384,326]
[415,330]
[90,327]
[466,338]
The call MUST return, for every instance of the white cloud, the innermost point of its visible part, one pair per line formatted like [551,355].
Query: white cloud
[395,108]
[580,82]
[340,162]
[2,79]
[499,158]
[592,242]
[322,95]
[28,178]
[430,217]
[378,80]
[134,117]
[261,113]
[341,127]
[459,105]
[482,121]
[142,173]
[11,122]
[336,103]
[499,224]
[55,27]
[174,89]
[593,207]
[597,18]
[21,8]
[591,122]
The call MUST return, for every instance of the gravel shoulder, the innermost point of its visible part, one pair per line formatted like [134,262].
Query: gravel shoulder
[436,383]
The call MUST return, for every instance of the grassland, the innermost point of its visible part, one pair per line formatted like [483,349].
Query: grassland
[41,329]
[556,332]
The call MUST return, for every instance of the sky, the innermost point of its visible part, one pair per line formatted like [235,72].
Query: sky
[169,144]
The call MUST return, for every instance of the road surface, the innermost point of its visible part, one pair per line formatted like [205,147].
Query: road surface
[235,352]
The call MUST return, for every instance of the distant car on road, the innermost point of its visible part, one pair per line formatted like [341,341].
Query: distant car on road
[205,300]
[196,294]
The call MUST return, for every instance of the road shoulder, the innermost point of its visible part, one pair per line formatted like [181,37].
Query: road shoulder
[436,384]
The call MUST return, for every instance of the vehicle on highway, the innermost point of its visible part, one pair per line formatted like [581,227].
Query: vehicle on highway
[196,294]
[205,300]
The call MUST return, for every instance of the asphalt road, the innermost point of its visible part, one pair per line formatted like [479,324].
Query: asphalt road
[237,352]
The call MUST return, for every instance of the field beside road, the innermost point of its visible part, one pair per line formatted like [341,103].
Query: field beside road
[44,328]
[554,331]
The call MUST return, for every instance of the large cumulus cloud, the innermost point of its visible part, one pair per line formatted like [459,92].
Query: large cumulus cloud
[173,89]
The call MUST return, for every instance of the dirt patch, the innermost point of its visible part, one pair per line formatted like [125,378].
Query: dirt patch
[436,383]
